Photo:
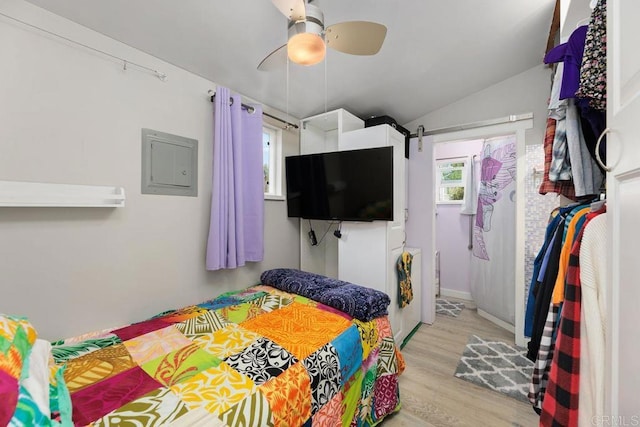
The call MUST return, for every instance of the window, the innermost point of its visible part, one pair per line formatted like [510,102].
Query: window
[450,180]
[272,162]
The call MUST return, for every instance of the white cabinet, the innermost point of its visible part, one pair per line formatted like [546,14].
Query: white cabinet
[323,132]
[319,134]
[368,251]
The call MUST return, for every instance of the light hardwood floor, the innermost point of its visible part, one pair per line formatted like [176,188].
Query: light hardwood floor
[432,396]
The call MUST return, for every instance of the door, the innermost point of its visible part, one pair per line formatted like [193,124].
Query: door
[623,194]
[420,226]
[493,264]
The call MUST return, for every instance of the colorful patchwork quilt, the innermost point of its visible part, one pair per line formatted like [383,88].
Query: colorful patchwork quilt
[257,357]
[32,388]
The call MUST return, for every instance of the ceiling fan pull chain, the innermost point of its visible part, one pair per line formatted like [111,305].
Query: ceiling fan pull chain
[326,85]
[287,87]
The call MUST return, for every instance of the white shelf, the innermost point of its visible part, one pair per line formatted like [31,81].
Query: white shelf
[339,119]
[37,194]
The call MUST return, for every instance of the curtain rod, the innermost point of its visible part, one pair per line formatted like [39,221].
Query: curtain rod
[250,109]
[162,76]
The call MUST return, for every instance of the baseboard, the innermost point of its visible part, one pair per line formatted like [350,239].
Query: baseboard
[413,331]
[455,294]
[493,319]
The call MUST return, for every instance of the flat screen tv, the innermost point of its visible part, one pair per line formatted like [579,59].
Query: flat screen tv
[353,185]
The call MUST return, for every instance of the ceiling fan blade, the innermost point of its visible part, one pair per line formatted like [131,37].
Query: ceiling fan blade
[276,59]
[292,9]
[356,37]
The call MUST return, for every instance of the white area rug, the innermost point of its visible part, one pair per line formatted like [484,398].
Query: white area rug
[448,308]
[496,366]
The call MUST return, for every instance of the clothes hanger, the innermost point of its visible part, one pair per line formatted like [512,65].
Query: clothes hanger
[582,22]
[596,206]
[599,203]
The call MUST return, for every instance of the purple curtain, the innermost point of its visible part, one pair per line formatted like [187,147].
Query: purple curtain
[236,228]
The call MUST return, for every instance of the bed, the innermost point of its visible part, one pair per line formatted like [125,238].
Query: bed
[297,349]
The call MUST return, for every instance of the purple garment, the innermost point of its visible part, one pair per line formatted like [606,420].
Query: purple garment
[570,53]
[236,229]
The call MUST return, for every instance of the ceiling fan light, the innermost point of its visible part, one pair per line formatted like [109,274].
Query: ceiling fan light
[306,48]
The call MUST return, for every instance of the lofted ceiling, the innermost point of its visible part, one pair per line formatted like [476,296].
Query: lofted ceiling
[435,51]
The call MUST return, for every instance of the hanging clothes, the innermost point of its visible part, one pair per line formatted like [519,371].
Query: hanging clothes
[578,123]
[587,177]
[537,387]
[593,258]
[540,376]
[574,218]
[593,71]
[571,155]
[566,309]
[564,188]
[561,400]
[593,122]
[560,168]
[544,292]
[405,289]
[554,218]
[570,54]
[593,76]
[542,295]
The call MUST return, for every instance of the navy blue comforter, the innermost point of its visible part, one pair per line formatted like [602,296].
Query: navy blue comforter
[357,301]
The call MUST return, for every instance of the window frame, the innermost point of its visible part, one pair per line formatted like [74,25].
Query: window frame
[440,185]
[274,191]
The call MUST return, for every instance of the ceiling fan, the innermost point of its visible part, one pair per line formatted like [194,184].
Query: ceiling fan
[308,37]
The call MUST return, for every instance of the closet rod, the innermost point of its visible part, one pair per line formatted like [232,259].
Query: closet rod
[250,109]
[508,119]
[125,62]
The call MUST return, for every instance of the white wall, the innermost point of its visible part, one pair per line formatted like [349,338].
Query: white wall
[70,115]
[572,13]
[526,92]
[452,229]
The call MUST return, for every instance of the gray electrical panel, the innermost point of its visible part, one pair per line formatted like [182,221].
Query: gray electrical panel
[169,164]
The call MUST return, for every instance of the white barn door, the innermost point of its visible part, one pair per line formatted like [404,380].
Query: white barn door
[623,206]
